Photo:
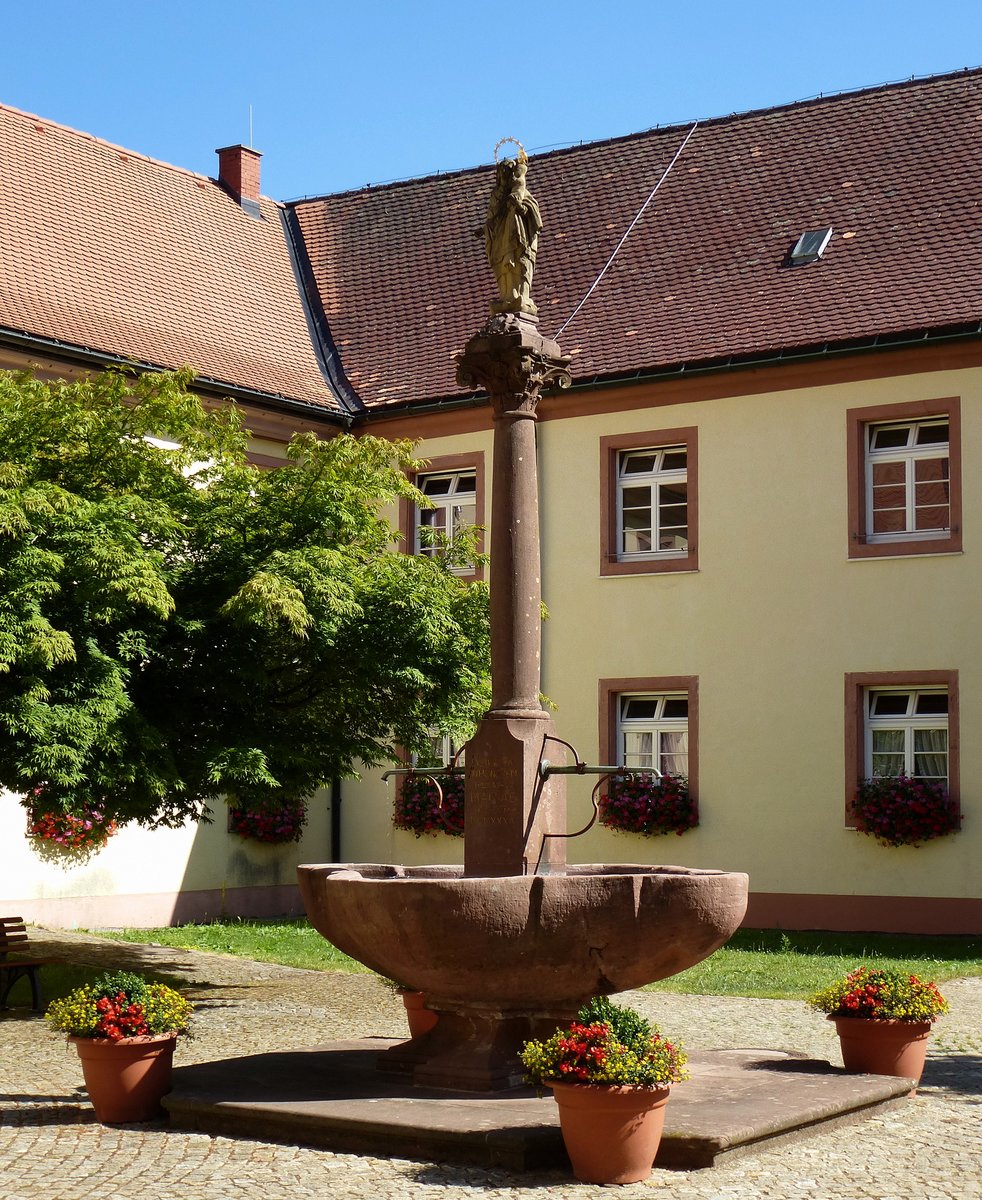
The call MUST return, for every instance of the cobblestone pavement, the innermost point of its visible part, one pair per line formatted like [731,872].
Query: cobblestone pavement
[51,1148]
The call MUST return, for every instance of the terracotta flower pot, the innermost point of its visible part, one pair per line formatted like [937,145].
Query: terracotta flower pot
[611,1134]
[126,1079]
[883,1047]
[421,1019]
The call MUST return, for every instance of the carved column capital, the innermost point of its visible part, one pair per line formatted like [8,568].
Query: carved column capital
[510,360]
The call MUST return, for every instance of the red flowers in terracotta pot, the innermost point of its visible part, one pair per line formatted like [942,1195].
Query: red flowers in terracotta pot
[610,1073]
[883,1019]
[124,1028]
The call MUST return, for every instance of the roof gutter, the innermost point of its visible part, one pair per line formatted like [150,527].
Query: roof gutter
[87,357]
[733,362]
[823,350]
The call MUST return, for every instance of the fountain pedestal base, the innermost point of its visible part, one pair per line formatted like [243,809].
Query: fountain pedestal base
[471,1050]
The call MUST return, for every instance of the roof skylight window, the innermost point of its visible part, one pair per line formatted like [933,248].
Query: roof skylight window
[810,246]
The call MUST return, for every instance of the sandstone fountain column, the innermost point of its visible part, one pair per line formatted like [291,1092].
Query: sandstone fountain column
[502,952]
[509,807]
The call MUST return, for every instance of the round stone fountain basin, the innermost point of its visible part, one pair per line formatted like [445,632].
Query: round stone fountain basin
[530,943]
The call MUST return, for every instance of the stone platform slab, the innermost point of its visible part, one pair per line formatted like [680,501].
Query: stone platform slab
[333,1097]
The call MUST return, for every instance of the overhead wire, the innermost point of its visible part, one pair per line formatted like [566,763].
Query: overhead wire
[627,232]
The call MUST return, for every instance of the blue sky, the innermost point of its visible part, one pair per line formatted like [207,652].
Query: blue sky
[346,94]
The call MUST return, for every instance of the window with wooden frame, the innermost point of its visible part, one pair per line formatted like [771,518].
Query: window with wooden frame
[648,498]
[652,723]
[901,723]
[905,479]
[653,732]
[443,751]
[455,486]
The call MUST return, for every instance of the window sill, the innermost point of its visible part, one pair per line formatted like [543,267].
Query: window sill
[891,555]
[649,572]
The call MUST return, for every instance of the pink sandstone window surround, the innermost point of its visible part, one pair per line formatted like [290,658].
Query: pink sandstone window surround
[649,502]
[860,686]
[655,688]
[904,470]
[455,469]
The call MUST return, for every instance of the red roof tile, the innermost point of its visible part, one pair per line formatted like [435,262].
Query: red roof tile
[105,249]
[896,171]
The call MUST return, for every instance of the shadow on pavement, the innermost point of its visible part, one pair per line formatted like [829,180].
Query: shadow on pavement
[955,1073]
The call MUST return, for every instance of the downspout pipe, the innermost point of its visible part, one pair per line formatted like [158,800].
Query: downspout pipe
[335,846]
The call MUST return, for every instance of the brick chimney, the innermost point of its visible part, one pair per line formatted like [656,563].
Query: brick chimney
[238,173]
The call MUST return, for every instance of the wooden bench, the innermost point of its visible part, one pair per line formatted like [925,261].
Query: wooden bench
[15,964]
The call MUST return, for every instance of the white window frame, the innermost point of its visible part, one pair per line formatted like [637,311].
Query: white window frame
[443,510]
[908,455]
[654,480]
[658,727]
[908,723]
[444,748]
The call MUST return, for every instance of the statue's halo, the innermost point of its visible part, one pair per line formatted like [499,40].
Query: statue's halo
[522,156]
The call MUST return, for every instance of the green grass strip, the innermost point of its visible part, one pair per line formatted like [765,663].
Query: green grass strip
[292,943]
[775,965]
[766,964]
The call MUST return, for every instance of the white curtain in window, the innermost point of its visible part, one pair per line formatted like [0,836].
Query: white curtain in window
[931,753]
[674,753]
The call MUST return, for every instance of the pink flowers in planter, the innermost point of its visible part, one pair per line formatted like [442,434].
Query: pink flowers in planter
[54,827]
[901,811]
[420,808]
[274,824]
[648,804]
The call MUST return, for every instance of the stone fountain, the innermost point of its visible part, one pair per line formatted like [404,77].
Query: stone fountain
[512,944]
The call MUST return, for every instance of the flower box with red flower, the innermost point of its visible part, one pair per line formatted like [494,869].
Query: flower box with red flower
[270,823]
[48,823]
[902,811]
[430,804]
[647,803]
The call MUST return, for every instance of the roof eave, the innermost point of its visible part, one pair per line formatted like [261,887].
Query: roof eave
[788,354]
[85,356]
[771,358]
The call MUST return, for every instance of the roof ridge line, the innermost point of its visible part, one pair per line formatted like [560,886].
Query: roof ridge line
[674,126]
[785,106]
[104,142]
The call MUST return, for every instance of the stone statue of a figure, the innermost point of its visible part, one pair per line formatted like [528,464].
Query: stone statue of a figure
[511,234]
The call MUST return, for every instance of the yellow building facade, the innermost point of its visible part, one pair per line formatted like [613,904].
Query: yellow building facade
[779,633]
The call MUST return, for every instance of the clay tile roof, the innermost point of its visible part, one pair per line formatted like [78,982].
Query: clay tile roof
[895,171]
[105,249]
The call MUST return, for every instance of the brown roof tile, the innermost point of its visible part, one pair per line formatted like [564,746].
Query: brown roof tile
[896,171]
[105,249]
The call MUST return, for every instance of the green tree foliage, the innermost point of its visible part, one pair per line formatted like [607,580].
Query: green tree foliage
[176,624]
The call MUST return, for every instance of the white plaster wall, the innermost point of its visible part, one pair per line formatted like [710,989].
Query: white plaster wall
[144,878]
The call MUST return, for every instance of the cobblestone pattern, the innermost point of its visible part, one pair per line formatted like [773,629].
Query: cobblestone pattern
[51,1147]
